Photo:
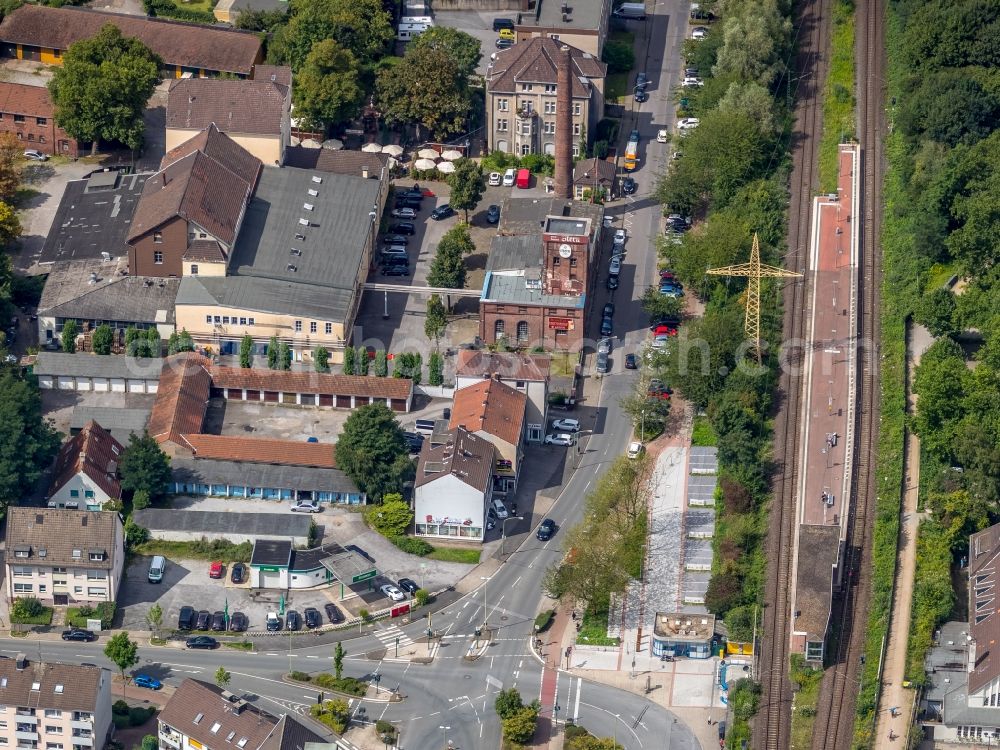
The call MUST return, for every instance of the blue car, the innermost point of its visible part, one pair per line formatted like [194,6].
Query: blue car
[145,681]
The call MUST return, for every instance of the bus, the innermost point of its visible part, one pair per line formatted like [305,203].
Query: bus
[632,151]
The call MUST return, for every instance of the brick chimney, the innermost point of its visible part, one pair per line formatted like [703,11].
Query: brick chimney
[564,125]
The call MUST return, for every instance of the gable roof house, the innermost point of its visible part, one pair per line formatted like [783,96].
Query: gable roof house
[190,211]
[86,469]
[28,112]
[454,485]
[254,113]
[64,556]
[43,33]
[495,411]
[181,401]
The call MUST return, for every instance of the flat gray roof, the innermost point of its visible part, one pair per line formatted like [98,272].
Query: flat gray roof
[234,473]
[583,16]
[514,252]
[93,217]
[119,422]
[87,365]
[566,225]
[266,295]
[503,287]
[271,552]
[221,522]
[528,215]
[345,564]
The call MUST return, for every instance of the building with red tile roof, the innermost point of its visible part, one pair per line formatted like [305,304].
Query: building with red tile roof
[495,411]
[86,469]
[28,112]
[181,401]
[263,450]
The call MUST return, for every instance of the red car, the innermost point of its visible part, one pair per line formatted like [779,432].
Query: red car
[664,331]
[215,570]
[666,275]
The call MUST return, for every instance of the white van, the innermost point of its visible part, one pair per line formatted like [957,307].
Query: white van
[631,11]
[156,569]
[509,177]
[500,509]
[424,426]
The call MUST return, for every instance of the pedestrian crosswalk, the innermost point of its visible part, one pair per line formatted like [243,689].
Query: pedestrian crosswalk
[389,634]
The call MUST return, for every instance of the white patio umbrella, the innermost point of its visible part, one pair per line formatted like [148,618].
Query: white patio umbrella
[424,164]
[333,144]
[392,149]
[445,167]
[371,148]
[427,153]
[310,143]
[451,154]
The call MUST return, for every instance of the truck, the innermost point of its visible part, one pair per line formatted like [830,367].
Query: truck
[632,151]
[523,178]
[630,11]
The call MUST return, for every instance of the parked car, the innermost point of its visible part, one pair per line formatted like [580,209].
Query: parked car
[664,320]
[216,570]
[414,191]
[607,326]
[293,620]
[396,239]
[312,617]
[392,592]
[146,681]
[396,269]
[35,155]
[272,622]
[442,212]
[408,585]
[605,345]
[662,136]
[403,202]
[509,177]
[493,214]
[620,236]
[609,310]
[499,509]
[566,425]
[503,43]
[238,622]
[185,619]
[307,506]
[403,227]
[615,267]
[613,281]
[699,32]
[495,179]
[219,621]
[503,23]
[201,641]
[630,362]
[238,573]
[641,96]
[603,364]
[333,614]
[79,634]
[692,81]
[635,449]
[545,530]
[414,441]
[561,438]
[629,186]
[403,213]
[691,72]
[641,80]
[204,620]
[688,123]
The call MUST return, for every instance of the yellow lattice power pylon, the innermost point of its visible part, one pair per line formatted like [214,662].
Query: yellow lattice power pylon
[753,271]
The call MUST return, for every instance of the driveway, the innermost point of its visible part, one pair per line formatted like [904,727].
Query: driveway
[43,184]
[477,24]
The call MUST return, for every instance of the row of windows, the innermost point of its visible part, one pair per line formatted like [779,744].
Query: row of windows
[503,105]
[89,494]
[523,330]
[92,591]
[227,320]
[548,127]
[20,118]
[21,571]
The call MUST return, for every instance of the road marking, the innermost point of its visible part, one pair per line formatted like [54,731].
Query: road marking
[617,716]
[516,582]
[576,708]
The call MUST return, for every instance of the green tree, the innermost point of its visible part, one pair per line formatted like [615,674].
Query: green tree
[508,702]
[284,356]
[222,677]
[10,225]
[144,466]
[658,305]
[519,727]
[372,452]
[464,49]
[149,742]
[327,89]
[392,517]
[338,660]
[123,653]
[467,185]
[425,89]
[272,353]
[260,20]
[101,89]
[140,500]
[361,362]
[437,319]
[619,56]
[102,339]
[184,342]
[448,267]
[11,165]
[362,26]
[154,618]
[942,382]
[937,312]
[27,442]
[135,534]
[154,344]
[348,360]
[381,364]
[246,352]
[435,368]
[69,332]
[321,359]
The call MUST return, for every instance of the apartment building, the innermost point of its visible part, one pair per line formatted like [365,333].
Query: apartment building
[63,556]
[48,706]
[201,716]
[521,97]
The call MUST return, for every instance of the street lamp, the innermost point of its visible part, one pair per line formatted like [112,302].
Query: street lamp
[484,579]
[503,530]
[447,743]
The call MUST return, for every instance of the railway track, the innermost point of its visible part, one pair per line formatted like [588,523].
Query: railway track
[774,721]
[834,727]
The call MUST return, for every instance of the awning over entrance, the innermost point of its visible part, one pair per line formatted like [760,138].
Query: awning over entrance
[348,566]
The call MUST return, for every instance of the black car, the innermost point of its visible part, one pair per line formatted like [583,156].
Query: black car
[414,192]
[239,573]
[493,214]
[313,617]
[546,529]
[219,621]
[641,96]
[201,641]
[403,227]
[293,621]
[186,618]
[503,23]
[414,441]
[204,620]
[609,309]
[408,585]
[664,320]
[333,614]
[79,634]
[406,202]
[630,362]
[607,326]
[396,239]
[628,186]
[613,282]
[396,269]
[238,622]
[442,212]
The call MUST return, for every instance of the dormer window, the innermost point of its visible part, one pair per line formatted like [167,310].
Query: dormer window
[22,551]
[96,555]
[77,554]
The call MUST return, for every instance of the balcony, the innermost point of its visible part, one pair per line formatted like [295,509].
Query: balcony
[525,113]
[26,716]
[81,724]
[170,737]
[26,736]
[83,733]
[85,740]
